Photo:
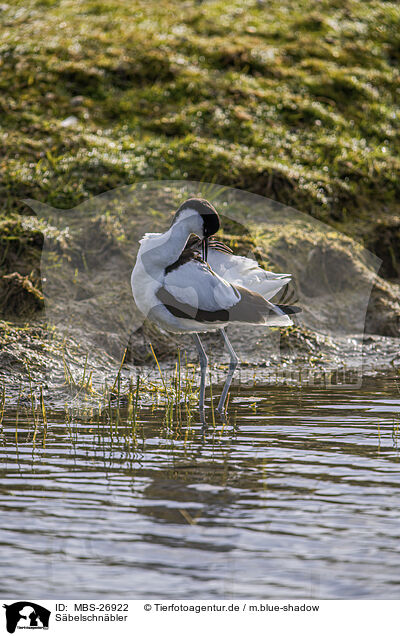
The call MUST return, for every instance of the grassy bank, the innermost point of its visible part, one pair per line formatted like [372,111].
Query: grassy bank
[295,101]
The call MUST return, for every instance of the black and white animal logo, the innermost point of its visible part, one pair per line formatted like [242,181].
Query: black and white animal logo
[26,615]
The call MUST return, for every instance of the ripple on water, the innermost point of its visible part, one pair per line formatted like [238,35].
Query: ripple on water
[297,496]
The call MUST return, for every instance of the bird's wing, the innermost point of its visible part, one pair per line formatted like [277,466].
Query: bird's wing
[238,270]
[246,272]
[193,291]
[195,283]
[194,244]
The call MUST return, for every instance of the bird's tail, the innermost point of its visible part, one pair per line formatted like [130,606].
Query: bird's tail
[280,316]
[289,309]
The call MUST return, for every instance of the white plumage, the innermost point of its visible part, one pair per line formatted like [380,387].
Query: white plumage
[246,272]
[183,292]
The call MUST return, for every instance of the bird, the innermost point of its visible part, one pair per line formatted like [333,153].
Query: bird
[186,281]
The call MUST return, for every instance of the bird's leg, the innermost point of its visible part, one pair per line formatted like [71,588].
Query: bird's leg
[203,369]
[234,361]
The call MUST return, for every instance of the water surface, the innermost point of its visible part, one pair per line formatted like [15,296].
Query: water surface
[298,495]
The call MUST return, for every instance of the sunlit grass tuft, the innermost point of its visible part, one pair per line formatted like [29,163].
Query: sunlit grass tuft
[295,102]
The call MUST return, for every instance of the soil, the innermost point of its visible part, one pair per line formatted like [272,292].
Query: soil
[65,293]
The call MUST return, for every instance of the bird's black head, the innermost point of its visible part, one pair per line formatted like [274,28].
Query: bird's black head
[207,212]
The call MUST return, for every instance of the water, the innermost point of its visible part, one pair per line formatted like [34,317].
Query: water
[298,496]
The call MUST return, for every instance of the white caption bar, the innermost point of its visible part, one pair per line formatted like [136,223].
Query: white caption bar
[197,617]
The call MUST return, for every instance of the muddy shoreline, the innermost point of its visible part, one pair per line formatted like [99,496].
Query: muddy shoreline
[67,307]
[34,361]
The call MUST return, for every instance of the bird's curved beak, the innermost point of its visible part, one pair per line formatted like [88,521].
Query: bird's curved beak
[205,249]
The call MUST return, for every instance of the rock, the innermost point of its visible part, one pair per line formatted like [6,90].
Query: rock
[69,121]
[77,100]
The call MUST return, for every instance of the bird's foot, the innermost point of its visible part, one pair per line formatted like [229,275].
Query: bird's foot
[221,414]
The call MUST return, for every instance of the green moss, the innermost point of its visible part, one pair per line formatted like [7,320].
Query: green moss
[296,102]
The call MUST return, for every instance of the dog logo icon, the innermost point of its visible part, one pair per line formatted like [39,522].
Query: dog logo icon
[26,615]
